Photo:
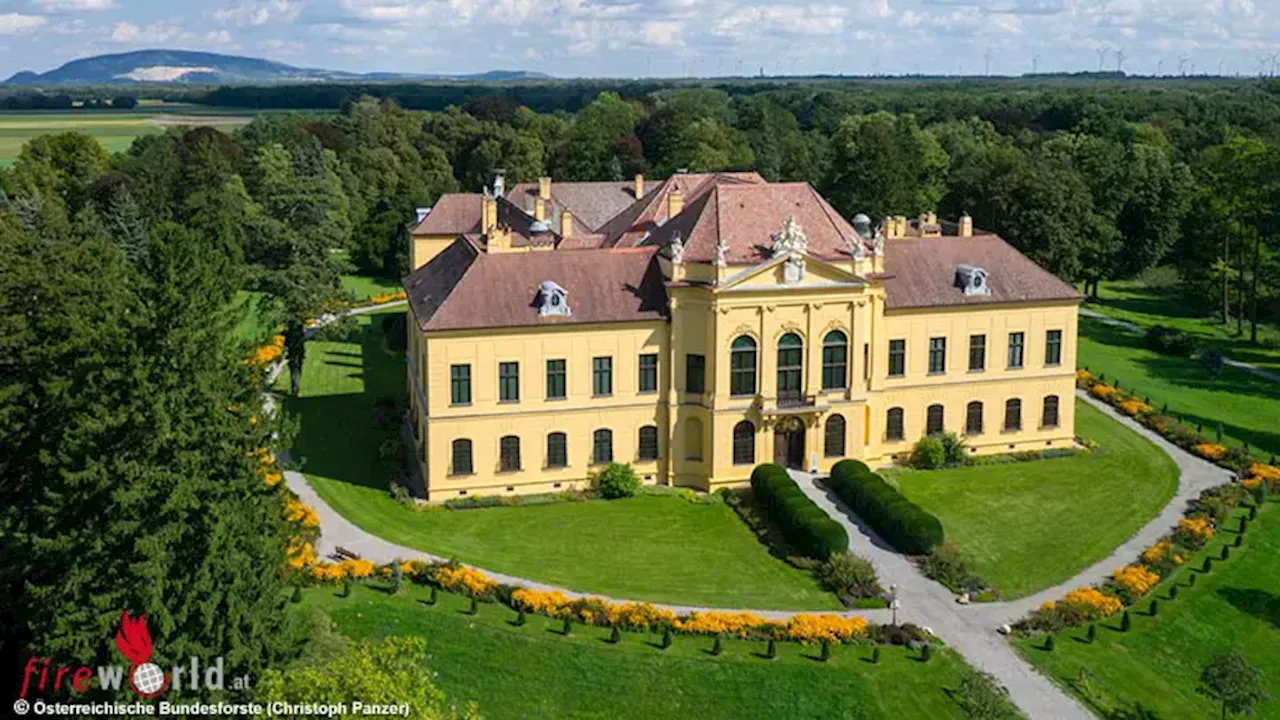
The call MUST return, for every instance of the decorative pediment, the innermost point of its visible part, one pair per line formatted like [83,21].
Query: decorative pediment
[790,271]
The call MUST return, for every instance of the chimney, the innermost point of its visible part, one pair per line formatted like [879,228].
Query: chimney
[488,212]
[498,239]
[900,226]
[566,224]
[966,225]
[539,209]
[675,203]
[499,182]
[639,186]
[544,187]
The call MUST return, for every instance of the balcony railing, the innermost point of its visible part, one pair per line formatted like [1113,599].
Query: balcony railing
[795,401]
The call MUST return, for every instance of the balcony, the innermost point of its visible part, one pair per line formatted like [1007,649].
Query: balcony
[796,401]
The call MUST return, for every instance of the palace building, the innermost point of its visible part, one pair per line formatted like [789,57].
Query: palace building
[701,325]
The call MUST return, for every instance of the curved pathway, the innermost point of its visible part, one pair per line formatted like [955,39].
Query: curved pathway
[971,630]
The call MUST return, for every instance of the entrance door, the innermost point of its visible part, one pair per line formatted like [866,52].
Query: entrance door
[788,444]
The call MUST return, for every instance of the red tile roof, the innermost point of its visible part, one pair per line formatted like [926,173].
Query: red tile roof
[453,214]
[922,272]
[500,290]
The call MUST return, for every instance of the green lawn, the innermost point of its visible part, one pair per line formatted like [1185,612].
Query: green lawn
[1144,306]
[534,672]
[1247,406]
[116,131]
[663,549]
[1157,663]
[366,287]
[1029,526]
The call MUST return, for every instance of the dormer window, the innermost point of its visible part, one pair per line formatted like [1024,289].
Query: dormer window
[552,300]
[972,280]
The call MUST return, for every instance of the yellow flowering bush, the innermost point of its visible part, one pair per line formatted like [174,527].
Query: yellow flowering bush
[1258,473]
[327,572]
[717,622]
[1134,581]
[300,554]
[296,511]
[638,616]
[269,353]
[1083,377]
[1193,532]
[1077,607]
[814,628]
[465,580]
[1102,392]
[1163,556]
[1133,406]
[387,297]
[1210,451]
[539,601]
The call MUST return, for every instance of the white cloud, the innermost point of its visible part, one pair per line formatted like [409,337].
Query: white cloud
[17,23]
[259,12]
[281,47]
[156,33]
[662,33]
[815,20]
[70,6]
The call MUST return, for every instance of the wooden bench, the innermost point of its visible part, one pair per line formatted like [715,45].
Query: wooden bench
[345,553]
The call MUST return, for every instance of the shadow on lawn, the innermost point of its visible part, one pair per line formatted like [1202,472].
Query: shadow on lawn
[1258,603]
[1184,372]
[337,436]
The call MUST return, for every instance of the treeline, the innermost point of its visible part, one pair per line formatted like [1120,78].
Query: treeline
[65,101]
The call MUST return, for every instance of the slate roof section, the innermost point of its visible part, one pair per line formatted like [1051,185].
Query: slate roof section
[921,272]
[453,214]
[501,290]
[592,203]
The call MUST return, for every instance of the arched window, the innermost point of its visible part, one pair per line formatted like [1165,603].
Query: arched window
[934,420]
[744,443]
[973,418]
[1050,417]
[557,450]
[648,449]
[835,361]
[693,439]
[790,365]
[509,453]
[893,426]
[461,457]
[1013,414]
[833,436]
[742,366]
[602,446]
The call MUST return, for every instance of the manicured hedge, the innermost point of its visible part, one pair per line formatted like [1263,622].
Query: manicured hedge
[901,523]
[805,525]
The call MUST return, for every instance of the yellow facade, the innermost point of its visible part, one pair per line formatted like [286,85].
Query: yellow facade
[696,429]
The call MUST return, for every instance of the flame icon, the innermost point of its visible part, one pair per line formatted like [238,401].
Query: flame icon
[134,642]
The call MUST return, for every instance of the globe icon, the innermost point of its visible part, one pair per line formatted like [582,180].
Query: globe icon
[148,678]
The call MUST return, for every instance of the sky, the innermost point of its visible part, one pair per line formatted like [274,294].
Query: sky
[644,38]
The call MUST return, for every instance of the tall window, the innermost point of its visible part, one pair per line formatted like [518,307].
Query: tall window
[693,439]
[1016,341]
[1053,347]
[509,453]
[1013,414]
[508,382]
[648,443]
[602,446]
[602,376]
[742,366]
[744,443]
[557,450]
[555,379]
[833,436]
[835,361]
[461,457]
[695,373]
[460,384]
[648,381]
[790,365]
[897,358]
[893,426]
[977,353]
[937,355]
[1049,418]
[934,420]
[973,418]
[866,361]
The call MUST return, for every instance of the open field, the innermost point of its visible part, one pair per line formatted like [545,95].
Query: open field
[115,130]
[1157,663]
[534,672]
[1028,526]
[1247,406]
[663,549]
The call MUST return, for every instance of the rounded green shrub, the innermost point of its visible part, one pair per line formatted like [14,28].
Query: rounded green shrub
[900,522]
[805,525]
[616,480]
[928,453]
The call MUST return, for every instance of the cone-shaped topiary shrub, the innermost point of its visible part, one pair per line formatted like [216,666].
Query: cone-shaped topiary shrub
[1208,564]
[615,636]
[1226,551]
[926,652]
[826,650]
[1092,635]
[1125,622]
[567,627]
[875,655]
[1173,593]
[718,646]
[771,651]
[1048,643]
[666,638]
[520,619]
[297,594]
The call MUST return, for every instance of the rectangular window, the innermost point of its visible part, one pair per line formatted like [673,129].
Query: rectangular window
[695,373]
[602,447]
[555,379]
[602,376]
[937,355]
[977,353]
[1013,415]
[648,373]
[1016,341]
[508,382]
[897,358]
[1053,347]
[557,450]
[509,454]
[894,426]
[460,384]
[648,443]
[835,365]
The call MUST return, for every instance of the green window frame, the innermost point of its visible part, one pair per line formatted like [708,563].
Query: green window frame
[835,361]
[602,376]
[648,380]
[790,365]
[556,379]
[742,366]
[509,382]
[937,355]
[460,384]
[1053,347]
[977,353]
[695,373]
[897,358]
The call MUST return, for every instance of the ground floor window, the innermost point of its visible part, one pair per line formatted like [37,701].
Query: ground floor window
[744,443]
[602,447]
[893,428]
[833,436]
[509,453]
[648,443]
[1049,418]
[1013,414]
[557,450]
[461,457]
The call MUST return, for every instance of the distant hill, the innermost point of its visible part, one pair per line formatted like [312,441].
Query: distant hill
[190,67]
